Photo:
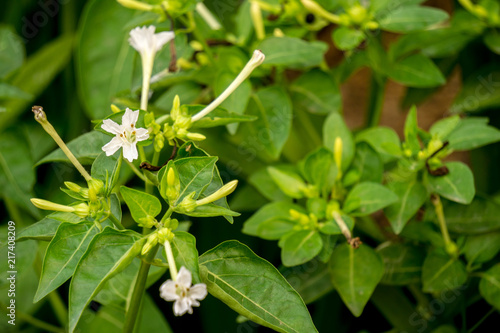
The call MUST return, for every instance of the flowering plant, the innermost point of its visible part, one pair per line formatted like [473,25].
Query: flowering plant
[231,180]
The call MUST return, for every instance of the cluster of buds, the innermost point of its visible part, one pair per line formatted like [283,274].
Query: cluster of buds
[180,126]
[305,222]
[159,236]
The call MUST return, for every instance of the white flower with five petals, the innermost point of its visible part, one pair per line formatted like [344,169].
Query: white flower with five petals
[127,135]
[181,291]
[146,42]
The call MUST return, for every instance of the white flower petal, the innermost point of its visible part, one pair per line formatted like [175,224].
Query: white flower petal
[163,38]
[167,291]
[130,152]
[141,39]
[112,146]
[110,126]
[181,306]
[141,134]
[129,118]
[198,292]
[184,277]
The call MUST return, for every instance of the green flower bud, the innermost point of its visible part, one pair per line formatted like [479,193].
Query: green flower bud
[196,136]
[95,188]
[188,204]
[224,191]
[82,210]
[159,142]
[115,109]
[165,234]
[147,222]
[150,243]
[48,205]
[176,108]
[173,185]
[332,208]
[357,13]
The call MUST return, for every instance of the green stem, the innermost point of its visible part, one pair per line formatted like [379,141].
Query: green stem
[481,320]
[167,215]
[451,248]
[139,287]
[115,221]
[136,171]
[171,261]
[156,158]
[376,101]
[13,211]
[307,125]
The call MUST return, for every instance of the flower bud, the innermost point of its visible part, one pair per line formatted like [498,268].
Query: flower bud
[196,136]
[173,185]
[224,191]
[357,13]
[303,219]
[159,142]
[188,204]
[115,109]
[147,222]
[165,234]
[82,210]
[176,108]
[337,154]
[48,205]
[135,5]
[95,188]
[150,243]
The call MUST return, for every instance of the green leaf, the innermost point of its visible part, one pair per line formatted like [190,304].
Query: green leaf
[63,253]
[383,140]
[440,272]
[107,169]
[109,253]
[195,174]
[457,185]
[210,210]
[412,195]
[489,287]
[11,92]
[481,248]
[479,91]
[238,100]
[292,52]
[347,39]
[492,40]
[274,229]
[17,175]
[300,246]
[311,280]
[290,182]
[407,19]
[441,129]
[417,71]
[35,75]
[315,91]
[86,148]
[186,254]
[140,204]
[255,289]
[411,131]
[318,169]
[480,216]
[355,273]
[403,263]
[367,197]
[334,127]
[367,164]
[263,182]
[217,117]
[332,228]
[279,210]
[103,71]
[13,54]
[470,134]
[46,228]
[267,135]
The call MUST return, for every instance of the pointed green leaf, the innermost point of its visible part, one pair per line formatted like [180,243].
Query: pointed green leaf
[403,263]
[279,210]
[412,196]
[218,117]
[109,253]
[290,182]
[355,273]
[300,246]
[195,174]
[254,288]
[457,185]
[440,272]
[481,248]
[489,287]
[46,228]
[63,253]
[107,169]
[405,19]
[292,52]
[470,134]
[417,71]
[186,254]
[383,140]
[367,197]
[141,204]
[347,38]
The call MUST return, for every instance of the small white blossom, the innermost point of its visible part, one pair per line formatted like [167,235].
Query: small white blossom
[181,291]
[146,42]
[127,135]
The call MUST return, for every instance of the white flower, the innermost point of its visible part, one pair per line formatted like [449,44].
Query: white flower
[146,42]
[181,291]
[127,135]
